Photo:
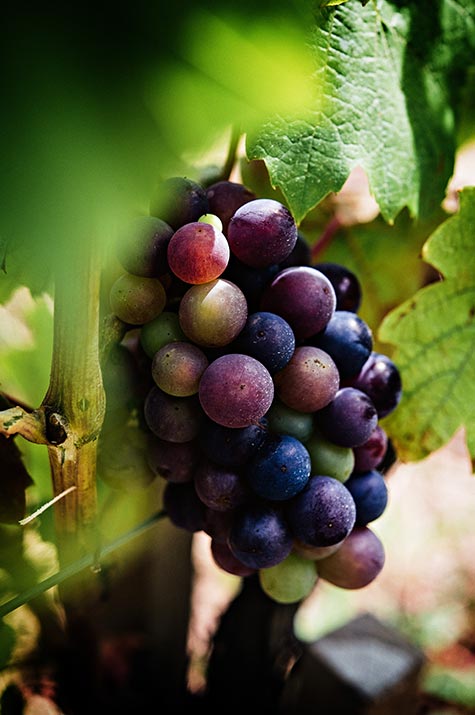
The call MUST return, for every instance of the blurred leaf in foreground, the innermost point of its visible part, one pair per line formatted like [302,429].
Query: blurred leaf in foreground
[434,336]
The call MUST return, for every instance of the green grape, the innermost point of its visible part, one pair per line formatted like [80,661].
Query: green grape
[213,220]
[285,420]
[330,459]
[137,300]
[161,331]
[289,581]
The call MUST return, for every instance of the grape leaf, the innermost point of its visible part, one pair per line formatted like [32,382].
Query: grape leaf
[434,338]
[390,74]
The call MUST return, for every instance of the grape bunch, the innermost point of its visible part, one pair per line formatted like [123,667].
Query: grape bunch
[259,393]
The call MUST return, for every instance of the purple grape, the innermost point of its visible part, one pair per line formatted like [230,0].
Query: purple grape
[174,419]
[281,468]
[356,563]
[348,340]
[346,284]
[218,524]
[213,314]
[304,297]
[236,390]
[218,487]
[225,198]
[183,507]
[371,453]
[198,253]
[262,232]
[370,493]
[349,419]
[309,381]
[179,200]
[323,514]
[268,338]
[380,379]
[173,461]
[259,536]
[225,559]
[232,446]
[142,248]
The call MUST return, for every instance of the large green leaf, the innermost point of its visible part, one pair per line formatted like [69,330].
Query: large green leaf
[434,336]
[390,74]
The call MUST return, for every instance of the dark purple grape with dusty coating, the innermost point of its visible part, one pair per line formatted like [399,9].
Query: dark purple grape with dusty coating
[183,507]
[304,297]
[349,419]
[357,562]
[218,487]
[174,419]
[252,281]
[142,246]
[262,232]
[260,537]
[280,469]
[173,461]
[346,284]
[268,338]
[178,200]
[348,340]
[309,381]
[225,559]
[370,493]
[236,390]
[301,254]
[232,446]
[371,453]
[323,514]
[225,198]
[380,379]
[218,524]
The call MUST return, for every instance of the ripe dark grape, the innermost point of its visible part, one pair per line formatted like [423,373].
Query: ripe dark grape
[259,536]
[236,390]
[174,419]
[232,446]
[356,563]
[137,300]
[370,493]
[142,248]
[280,469]
[346,284]
[225,559]
[173,461]
[218,524]
[218,487]
[348,340]
[300,255]
[252,281]
[183,506]
[380,379]
[370,454]
[262,232]
[322,514]
[268,338]
[177,368]
[198,253]
[309,381]
[225,198]
[179,200]
[304,297]
[213,314]
[349,419]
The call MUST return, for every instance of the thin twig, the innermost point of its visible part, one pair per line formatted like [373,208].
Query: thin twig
[30,425]
[28,519]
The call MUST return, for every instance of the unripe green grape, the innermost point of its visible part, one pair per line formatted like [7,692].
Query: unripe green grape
[137,300]
[157,333]
[289,581]
[213,220]
[285,420]
[330,459]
